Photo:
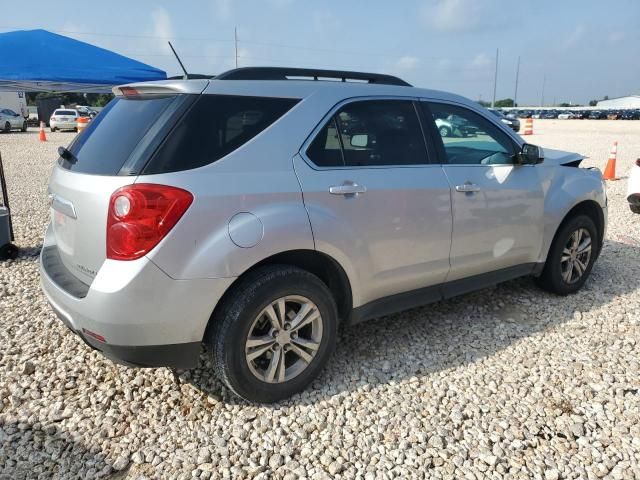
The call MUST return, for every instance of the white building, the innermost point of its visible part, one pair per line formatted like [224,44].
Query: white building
[632,101]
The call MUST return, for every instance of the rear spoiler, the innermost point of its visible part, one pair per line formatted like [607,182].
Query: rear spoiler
[163,87]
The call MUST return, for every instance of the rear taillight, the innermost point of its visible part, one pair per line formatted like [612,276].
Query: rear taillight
[140,215]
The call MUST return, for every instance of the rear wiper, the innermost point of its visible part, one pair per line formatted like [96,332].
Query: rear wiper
[67,155]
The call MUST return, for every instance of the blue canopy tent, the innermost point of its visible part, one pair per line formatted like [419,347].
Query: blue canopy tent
[38,60]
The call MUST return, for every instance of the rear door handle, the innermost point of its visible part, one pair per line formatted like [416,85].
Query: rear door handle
[468,187]
[347,189]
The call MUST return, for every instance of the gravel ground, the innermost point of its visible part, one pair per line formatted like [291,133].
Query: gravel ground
[508,382]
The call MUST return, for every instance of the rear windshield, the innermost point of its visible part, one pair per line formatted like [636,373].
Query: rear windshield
[150,135]
[64,112]
[106,144]
[215,126]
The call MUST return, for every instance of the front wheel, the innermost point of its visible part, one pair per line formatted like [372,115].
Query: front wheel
[444,131]
[274,333]
[24,126]
[571,256]
[7,127]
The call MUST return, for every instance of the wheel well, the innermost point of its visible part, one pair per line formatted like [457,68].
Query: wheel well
[321,265]
[591,209]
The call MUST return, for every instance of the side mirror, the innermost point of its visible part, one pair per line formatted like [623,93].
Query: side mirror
[359,141]
[529,155]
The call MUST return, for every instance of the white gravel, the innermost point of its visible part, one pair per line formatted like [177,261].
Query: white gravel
[509,382]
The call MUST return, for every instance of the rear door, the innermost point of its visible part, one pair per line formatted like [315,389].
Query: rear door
[497,206]
[376,203]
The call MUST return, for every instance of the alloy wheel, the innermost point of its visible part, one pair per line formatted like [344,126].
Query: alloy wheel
[283,339]
[576,256]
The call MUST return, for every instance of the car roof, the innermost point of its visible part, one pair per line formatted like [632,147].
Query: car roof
[291,89]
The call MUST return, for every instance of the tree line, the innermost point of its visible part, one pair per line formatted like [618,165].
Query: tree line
[89,99]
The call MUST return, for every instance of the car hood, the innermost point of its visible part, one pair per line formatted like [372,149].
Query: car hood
[560,157]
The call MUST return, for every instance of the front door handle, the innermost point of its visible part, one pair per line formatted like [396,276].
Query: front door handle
[347,189]
[468,187]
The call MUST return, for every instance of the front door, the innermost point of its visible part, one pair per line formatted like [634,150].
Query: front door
[375,202]
[498,206]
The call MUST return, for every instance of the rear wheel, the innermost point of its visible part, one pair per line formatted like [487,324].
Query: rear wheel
[24,126]
[444,131]
[7,127]
[635,208]
[571,256]
[53,129]
[274,333]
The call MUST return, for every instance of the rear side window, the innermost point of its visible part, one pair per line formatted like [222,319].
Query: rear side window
[371,133]
[105,145]
[215,126]
[64,112]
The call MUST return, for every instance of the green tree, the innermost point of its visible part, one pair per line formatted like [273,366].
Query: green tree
[482,103]
[593,103]
[505,102]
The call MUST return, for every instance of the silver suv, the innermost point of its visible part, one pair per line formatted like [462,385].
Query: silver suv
[255,212]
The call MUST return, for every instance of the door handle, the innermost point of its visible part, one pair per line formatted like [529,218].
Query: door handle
[467,188]
[347,189]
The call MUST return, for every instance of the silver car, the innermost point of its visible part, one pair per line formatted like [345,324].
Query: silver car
[10,120]
[256,212]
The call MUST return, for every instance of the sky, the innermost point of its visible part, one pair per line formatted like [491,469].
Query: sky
[577,50]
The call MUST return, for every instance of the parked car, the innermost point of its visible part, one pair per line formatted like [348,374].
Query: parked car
[10,120]
[566,116]
[633,188]
[235,213]
[597,115]
[582,114]
[549,114]
[614,115]
[630,115]
[454,126]
[64,119]
[512,123]
[85,111]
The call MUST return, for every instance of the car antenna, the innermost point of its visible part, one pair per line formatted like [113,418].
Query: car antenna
[186,75]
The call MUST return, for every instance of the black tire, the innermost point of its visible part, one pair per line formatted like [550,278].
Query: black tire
[53,129]
[635,208]
[233,320]
[444,131]
[24,126]
[551,279]
[7,127]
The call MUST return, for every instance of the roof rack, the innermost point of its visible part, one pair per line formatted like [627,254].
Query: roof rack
[283,73]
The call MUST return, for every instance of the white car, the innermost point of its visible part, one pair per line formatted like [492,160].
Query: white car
[566,116]
[64,119]
[633,188]
[10,120]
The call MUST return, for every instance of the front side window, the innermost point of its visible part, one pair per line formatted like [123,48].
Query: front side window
[468,138]
[371,133]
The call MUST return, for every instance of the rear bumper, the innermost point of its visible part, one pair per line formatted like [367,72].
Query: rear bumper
[133,312]
[63,125]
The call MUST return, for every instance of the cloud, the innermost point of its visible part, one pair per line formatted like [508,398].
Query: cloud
[463,15]
[162,26]
[222,9]
[574,37]
[407,62]
[481,61]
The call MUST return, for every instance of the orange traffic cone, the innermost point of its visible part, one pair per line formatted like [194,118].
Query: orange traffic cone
[610,170]
[528,126]
[43,136]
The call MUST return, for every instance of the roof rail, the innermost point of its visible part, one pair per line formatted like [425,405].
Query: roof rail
[284,73]
[191,76]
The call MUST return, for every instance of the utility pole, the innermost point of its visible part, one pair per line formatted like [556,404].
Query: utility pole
[544,81]
[235,37]
[515,95]
[495,80]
